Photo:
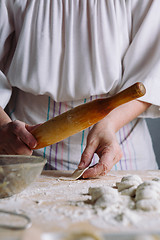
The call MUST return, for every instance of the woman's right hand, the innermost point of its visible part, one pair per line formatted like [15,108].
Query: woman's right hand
[16,139]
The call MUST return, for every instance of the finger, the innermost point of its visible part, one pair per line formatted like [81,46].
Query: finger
[22,149]
[31,128]
[105,164]
[98,170]
[94,172]
[87,155]
[8,150]
[3,152]
[21,132]
[117,157]
[18,151]
[19,148]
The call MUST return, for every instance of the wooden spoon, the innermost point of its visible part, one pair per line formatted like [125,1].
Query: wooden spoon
[83,116]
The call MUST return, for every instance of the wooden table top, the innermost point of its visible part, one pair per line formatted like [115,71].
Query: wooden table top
[56,206]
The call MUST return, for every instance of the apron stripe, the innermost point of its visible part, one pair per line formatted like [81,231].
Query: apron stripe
[50,152]
[69,139]
[12,111]
[62,147]
[124,149]
[68,153]
[129,152]
[62,143]
[49,101]
[14,107]
[120,162]
[93,159]
[127,147]
[132,127]
[115,166]
[82,135]
[56,153]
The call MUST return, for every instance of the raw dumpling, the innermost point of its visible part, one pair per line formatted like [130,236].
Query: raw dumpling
[128,185]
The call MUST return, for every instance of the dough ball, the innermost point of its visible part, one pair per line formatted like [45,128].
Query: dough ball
[148,186]
[95,193]
[129,182]
[148,196]
[132,178]
[129,191]
[103,196]
[151,183]
[126,202]
[148,205]
[146,193]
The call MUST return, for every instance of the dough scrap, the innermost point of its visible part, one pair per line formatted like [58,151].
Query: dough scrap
[73,176]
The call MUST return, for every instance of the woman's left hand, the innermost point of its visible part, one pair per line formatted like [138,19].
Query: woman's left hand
[102,138]
[102,141]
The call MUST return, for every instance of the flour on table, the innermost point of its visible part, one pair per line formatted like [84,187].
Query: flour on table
[147,237]
[157,179]
[102,203]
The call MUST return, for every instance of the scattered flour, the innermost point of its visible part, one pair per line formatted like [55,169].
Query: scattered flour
[99,202]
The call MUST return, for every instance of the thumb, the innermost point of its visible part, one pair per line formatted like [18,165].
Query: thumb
[87,156]
[104,165]
[31,128]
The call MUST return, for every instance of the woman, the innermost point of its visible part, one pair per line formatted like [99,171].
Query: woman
[55,55]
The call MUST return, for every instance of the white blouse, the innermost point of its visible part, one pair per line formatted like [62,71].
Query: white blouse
[71,51]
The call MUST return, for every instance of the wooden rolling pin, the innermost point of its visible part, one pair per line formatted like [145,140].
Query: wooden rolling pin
[83,116]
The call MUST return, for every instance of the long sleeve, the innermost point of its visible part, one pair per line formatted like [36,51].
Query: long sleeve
[6,37]
[142,59]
